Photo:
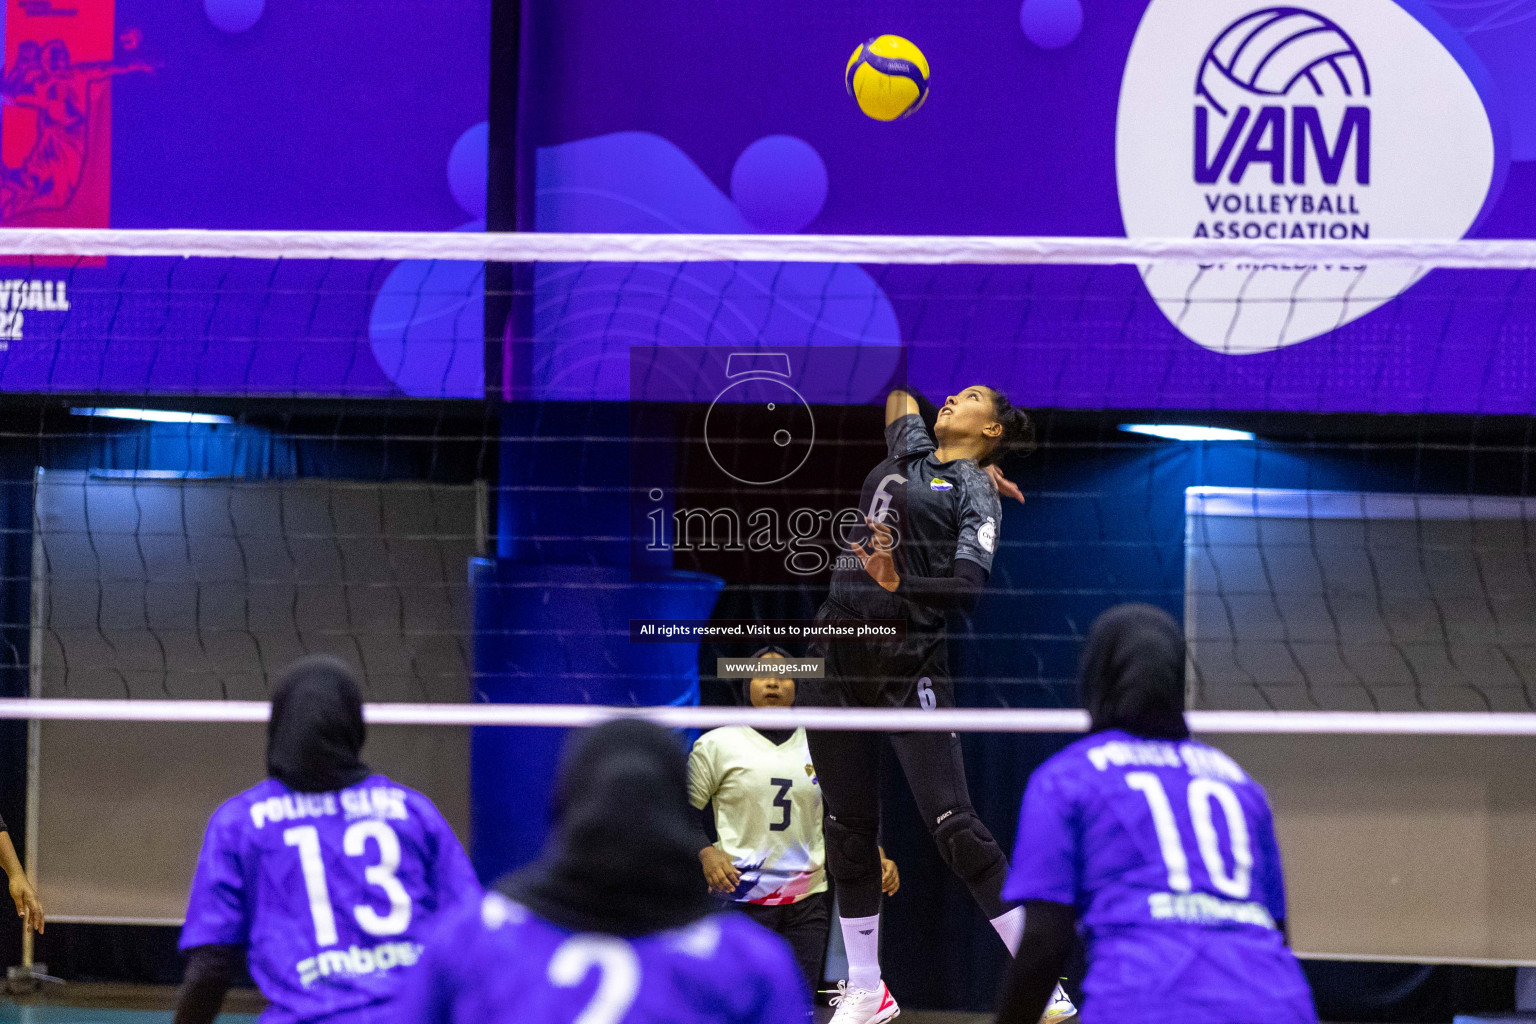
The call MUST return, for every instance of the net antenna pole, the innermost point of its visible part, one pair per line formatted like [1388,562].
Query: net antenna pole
[506,350]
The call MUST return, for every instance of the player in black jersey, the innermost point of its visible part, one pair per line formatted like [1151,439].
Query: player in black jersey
[932,516]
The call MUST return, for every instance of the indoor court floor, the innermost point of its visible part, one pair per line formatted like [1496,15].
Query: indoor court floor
[123,1004]
[81,1003]
[130,1008]
[17,1013]
[132,1004]
[141,1004]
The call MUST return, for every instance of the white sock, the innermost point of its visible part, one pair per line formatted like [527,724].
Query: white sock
[1011,927]
[861,940]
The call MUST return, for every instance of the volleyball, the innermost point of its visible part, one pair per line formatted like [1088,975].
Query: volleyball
[887,77]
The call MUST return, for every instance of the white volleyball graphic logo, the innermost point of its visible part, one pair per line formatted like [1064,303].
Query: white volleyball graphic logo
[1344,120]
[1280,51]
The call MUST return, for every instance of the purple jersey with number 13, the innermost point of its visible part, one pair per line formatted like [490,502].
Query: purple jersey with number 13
[1167,851]
[331,893]
[502,964]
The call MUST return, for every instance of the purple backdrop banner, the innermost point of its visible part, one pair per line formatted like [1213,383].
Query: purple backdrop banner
[1186,118]
[244,114]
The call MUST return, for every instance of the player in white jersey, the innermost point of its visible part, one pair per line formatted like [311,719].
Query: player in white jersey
[770,860]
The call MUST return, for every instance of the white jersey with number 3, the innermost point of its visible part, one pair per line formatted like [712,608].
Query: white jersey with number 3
[767,810]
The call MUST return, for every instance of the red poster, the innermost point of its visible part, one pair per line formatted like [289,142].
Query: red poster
[56,125]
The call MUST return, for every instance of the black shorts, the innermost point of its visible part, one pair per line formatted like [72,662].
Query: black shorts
[910,673]
[805,926]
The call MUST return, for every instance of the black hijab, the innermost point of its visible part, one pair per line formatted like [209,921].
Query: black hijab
[744,695]
[622,856]
[316,731]
[1132,675]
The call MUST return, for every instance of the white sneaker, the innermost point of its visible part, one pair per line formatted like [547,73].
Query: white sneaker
[864,1005]
[1060,1008]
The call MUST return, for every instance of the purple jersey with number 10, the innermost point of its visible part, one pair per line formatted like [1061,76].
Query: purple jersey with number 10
[502,964]
[330,893]
[1167,851]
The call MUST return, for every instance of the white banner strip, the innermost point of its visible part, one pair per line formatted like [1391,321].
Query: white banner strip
[559,247]
[1410,723]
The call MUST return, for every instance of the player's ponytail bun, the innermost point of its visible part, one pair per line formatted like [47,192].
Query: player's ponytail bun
[1132,674]
[1018,430]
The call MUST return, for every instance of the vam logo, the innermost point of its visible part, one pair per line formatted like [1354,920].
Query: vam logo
[1262,98]
[1346,119]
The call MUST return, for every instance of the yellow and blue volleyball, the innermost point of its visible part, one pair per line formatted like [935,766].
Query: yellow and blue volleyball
[888,77]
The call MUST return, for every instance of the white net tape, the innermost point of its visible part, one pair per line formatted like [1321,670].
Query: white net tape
[849,719]
[682,248]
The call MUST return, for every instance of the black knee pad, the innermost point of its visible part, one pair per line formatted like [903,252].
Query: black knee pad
[967,845]
[853,850]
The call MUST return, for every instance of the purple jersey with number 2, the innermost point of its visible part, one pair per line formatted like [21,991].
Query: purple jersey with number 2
[1167,851]
[502,964]
[331,893]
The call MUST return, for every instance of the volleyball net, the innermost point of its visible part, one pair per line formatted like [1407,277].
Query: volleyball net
[477,467]
[229,449]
